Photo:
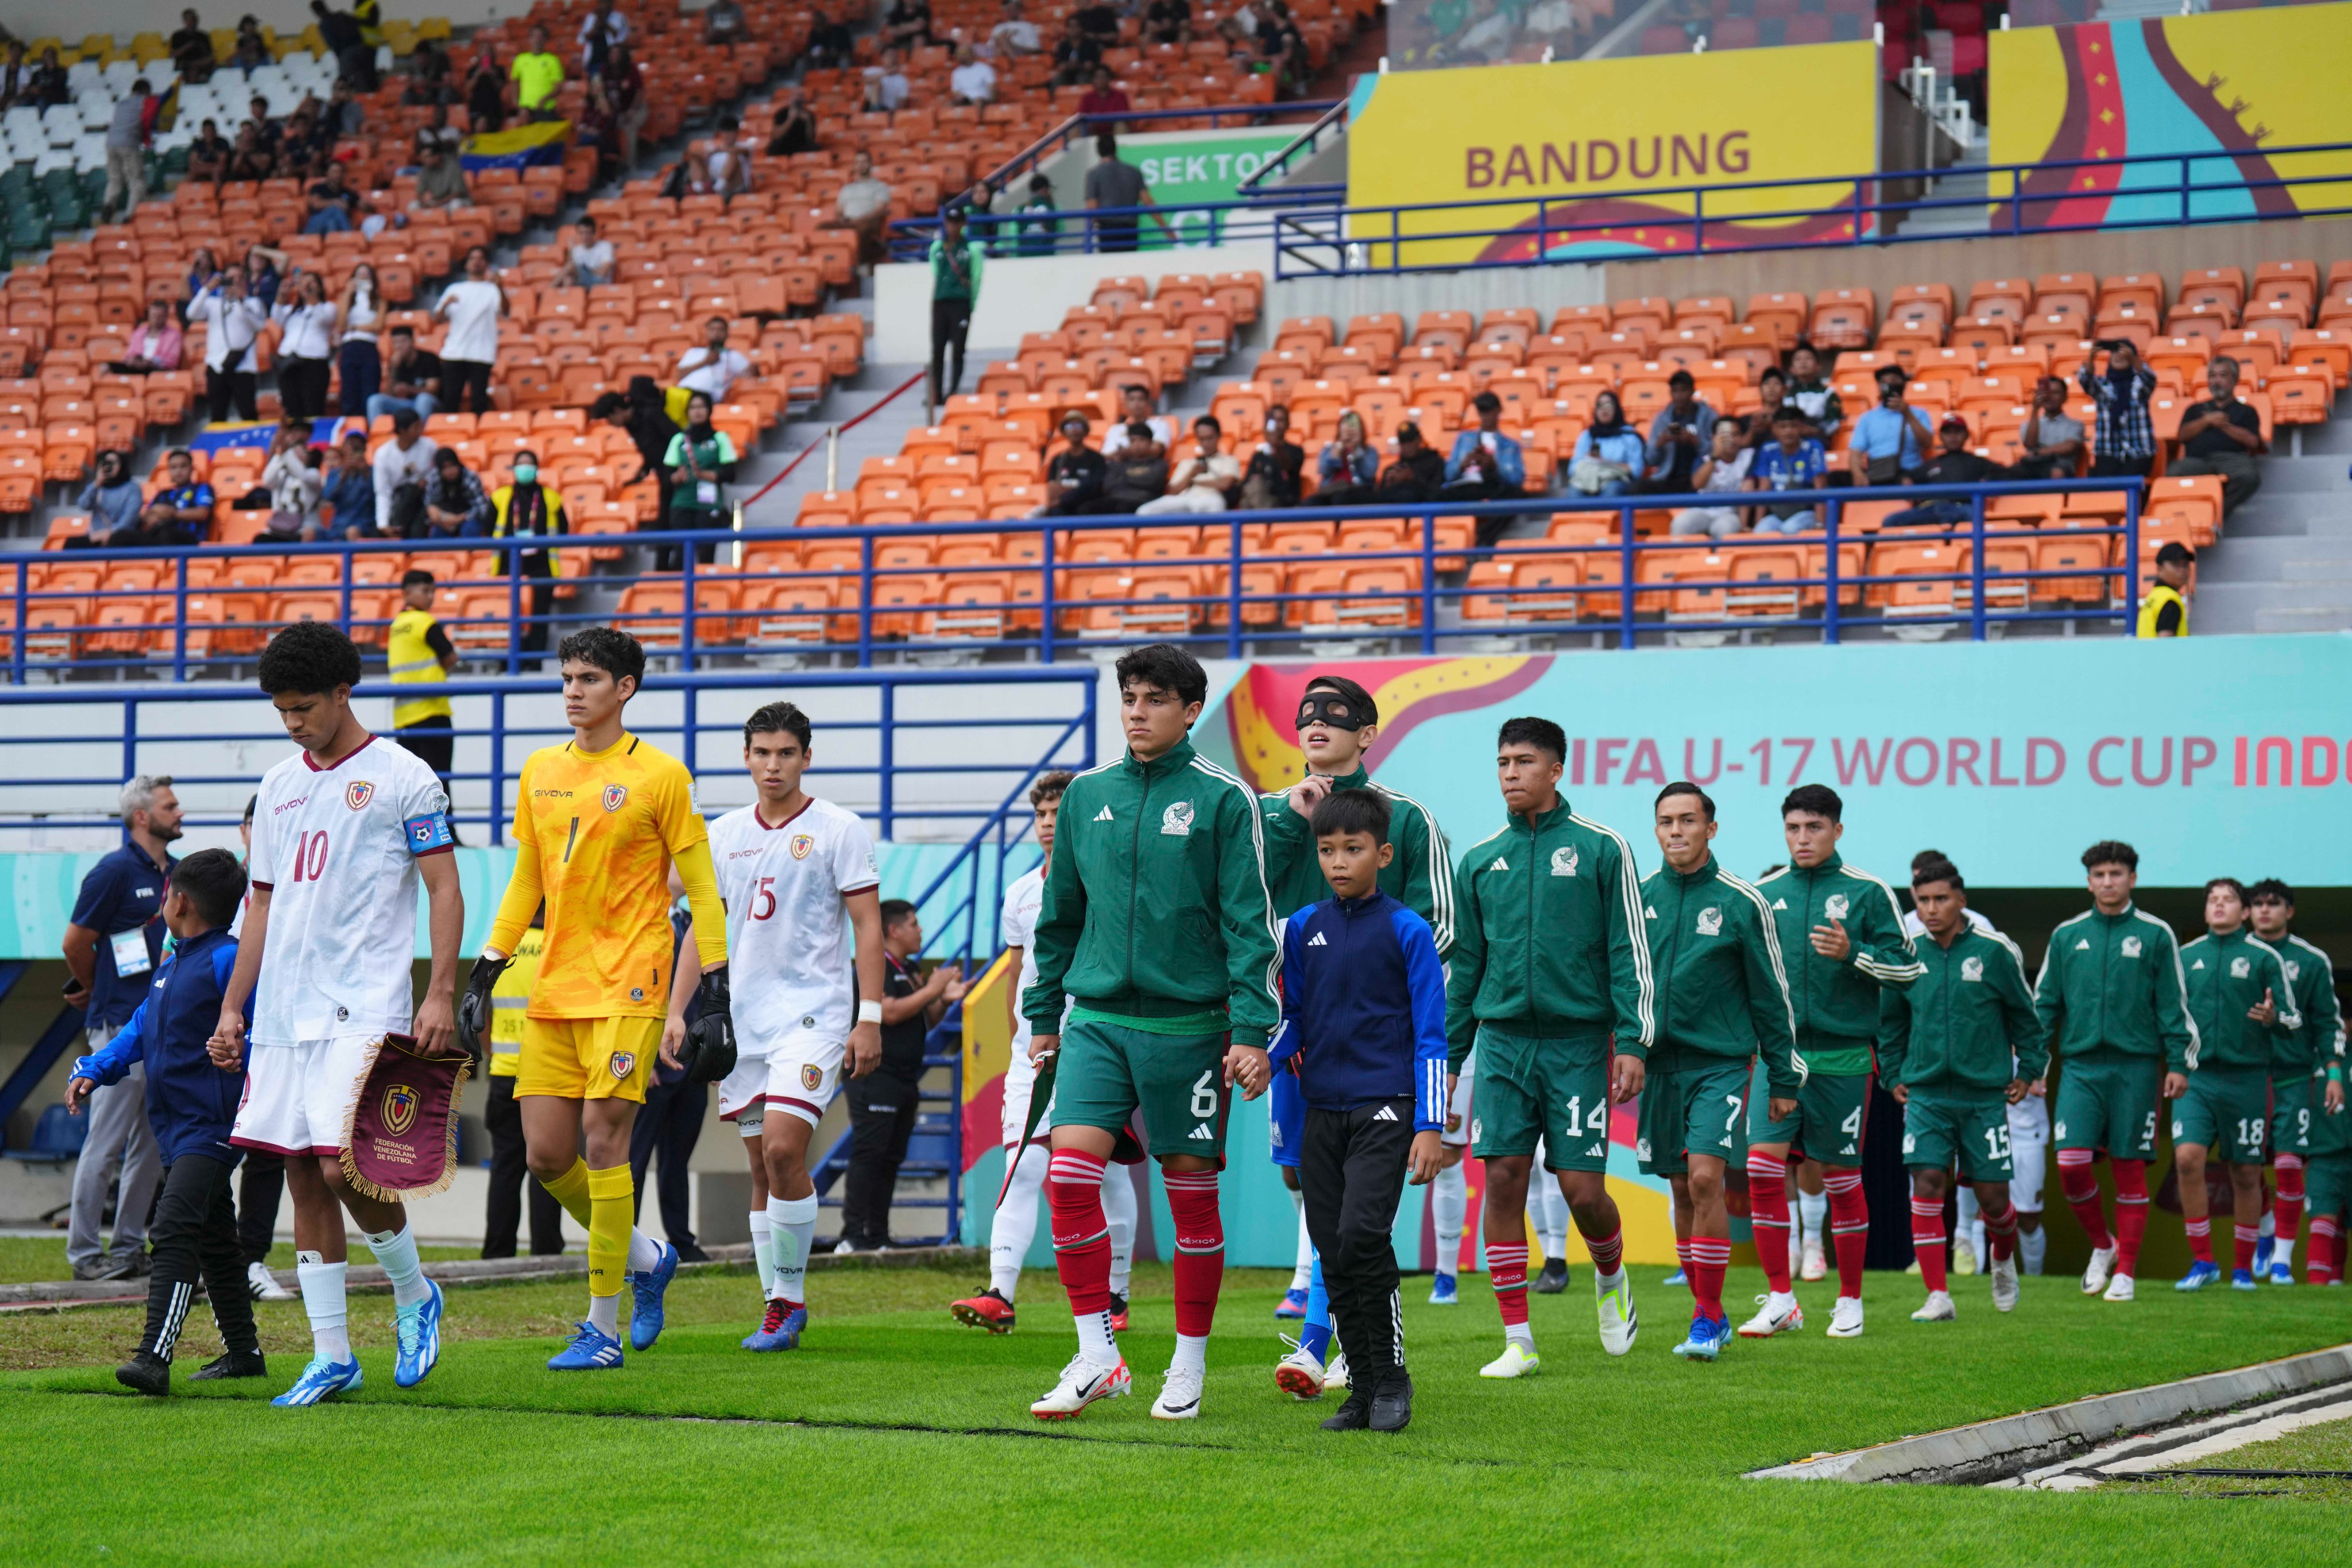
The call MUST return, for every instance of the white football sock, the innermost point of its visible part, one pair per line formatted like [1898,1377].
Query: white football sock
[397,1250]
[1095,1339]
[1523,1332]
[605,1311]
[792,1224]
[1449,1207]
[1119,1209]
[1191,1353]
[1550,1206]
[644,1252]
[1812,1213]
[2032,1245]
[2269,1226]
[322,1301]
[763,1253]
[1304,1272]
[1014,1226]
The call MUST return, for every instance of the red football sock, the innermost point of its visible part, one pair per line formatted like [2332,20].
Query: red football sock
[2321,1262]
[2131,1213]
[1927,1240]
[1849,1225]
[1200,1265]
[1710,1256]
[2247,1236]
[1507,1266]
[2286,1212]
[1081,1234]
[2200,1239]
[2000,1229]
[1767,1206]
[1608,1251]
[2082,1189]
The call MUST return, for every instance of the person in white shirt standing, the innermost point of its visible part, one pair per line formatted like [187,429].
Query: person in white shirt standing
[233,321]
[799,879]
[600,31]
[471,307]
[710,366]
[405,461]
[306,322]
[1016,1223]
[345,833]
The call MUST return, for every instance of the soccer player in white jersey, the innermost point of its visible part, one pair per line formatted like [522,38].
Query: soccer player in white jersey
[344,831]
[798,877]
[1014,1225]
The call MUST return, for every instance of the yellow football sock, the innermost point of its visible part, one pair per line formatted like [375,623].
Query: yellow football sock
[610,1214]
[571,1189]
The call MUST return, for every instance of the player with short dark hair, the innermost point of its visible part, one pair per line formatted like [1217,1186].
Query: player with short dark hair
[2299,1063]
[1842,933]
[2115,1016]
[1549,962]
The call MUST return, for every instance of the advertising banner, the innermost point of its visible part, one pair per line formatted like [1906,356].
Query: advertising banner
[1207,167]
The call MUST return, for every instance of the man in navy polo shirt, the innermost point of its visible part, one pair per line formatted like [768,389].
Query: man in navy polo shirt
[113,942]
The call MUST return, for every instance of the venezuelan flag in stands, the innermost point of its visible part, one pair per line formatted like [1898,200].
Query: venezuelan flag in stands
[260,432]
[523,147]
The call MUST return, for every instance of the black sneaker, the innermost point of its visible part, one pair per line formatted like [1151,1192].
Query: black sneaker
[138,1265]
[1118,1312]
[104,1269]
[1353,1415]
[234,1364]
[1554,1277]
[692,1254]
[1392,1402]
[146,1371]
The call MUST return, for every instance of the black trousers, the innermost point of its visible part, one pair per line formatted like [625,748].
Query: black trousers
[194,1242]
[950,323]
[1351,1168]
[540,602]
[429,740]
[2121,467]
[1489,528]
[670,1123]
[226,388]
[882,1108]
[508,1176]
[302,386]
[259,1186]
[462,375]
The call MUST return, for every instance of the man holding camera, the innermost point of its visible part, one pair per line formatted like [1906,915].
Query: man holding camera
[2123,443]
[1891,442]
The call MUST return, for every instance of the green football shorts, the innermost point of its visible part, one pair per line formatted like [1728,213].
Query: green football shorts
[1832,1109]
[2294,1101]
[2108,1101]
[1110,1070]
[1694,1110]
[2328,1185]
[1556,1090]
[1939,1129]
[2227,1110]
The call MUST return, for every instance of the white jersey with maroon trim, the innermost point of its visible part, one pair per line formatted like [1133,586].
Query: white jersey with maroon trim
[337,849]
[788,942]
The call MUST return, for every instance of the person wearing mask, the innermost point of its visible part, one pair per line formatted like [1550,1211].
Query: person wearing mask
[306,322]
[1891,442]
[471,307]
[529,510]
[291,477]
[2122,444]
[232,321]
[1680,437]
[1073,475]
[155,343]
[113,940]
[537,76]
[1204,481]
[409,376]
[884,1102]
[702,462]
[350,488]
[456,504]
[1347,468]
[1271,478]
[2053,439]
[361,310]
[711,367]
[1721,474]
[589,262]
[1953,463]
[113,501]
[1609,455]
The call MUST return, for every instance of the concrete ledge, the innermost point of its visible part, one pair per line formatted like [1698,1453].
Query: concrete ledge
[1992,1450]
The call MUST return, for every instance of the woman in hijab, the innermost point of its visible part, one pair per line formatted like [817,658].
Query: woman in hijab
[1609,453]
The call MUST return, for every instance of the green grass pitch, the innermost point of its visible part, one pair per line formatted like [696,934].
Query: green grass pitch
[898,1436]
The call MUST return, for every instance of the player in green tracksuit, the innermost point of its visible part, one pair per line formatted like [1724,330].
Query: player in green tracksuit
[2328,1173]
[2295,1059]
[1958,1047]
[2114,1014]
[1550,979]
[1155,925]
[2240,1001]
[1841,935]
[1723,1000]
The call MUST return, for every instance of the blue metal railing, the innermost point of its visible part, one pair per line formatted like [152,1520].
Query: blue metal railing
[1077,126]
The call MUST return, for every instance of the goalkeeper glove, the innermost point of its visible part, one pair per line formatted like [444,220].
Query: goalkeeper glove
[711,1038]
[474,1006]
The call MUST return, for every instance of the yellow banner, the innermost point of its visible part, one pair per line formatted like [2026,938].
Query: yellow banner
[1605,143]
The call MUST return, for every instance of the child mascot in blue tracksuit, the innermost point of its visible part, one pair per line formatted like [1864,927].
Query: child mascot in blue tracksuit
[1363,1025]
[192,1104]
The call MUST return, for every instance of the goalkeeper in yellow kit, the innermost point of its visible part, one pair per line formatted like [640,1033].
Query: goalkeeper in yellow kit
[598,823]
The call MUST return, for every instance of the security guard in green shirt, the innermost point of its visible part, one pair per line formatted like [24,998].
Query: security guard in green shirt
[955,263]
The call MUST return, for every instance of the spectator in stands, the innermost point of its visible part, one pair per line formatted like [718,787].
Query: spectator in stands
[409,376]
[1281,49]
[1136,473]
[907,23]
[1040,231]
[294,483]
[298,144]
[1272,478]
[2221,435]
[1722,473]
[265,267]
[1794,461]
[1890,441]
[864,205]
[689,176]
[701,463]
[428,76]
[1099,20]
[345,116]
[181,513]
[644,417]
[306,322]
[256,114]
[956,265]
[2052,439]
[251,51]
[1204,482]
[722,23]
[113,501]
[711,367]
[471,307]
[1488,466]
[1168,22]
[1417,475]
[1077,55]
[126,150]
[1104,96]
[886,84]
[2123,445]
[589,262]
[250,157]
[1015,36]
[537,76]
[1074,477]
[355,58]
[622,89]
[528,509]
[1347,467]
[441,183]
[1117,187]
[1609,455]
[332,202]
[1953,463]
[1680,436]
[16,76]
[209,153]
[456,504]
[1814,396]
[1136,404]
[49,87]
[973,81]
[830,43]
[232,321]
[402,467]
[155,344]
[729,159]
[192,50]
[203,267]
[796,126]
[486,93]
[2165,611]
[113,940]
[349,486]
[602,31]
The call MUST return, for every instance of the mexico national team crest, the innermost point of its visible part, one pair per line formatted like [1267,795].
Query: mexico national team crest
[614,795]
[2131,946]
[1710,922]
[624,1062]
[357,794]
[2239,968]
[811,1076]
[801,844]
[400,1102]
[1177,821]
[1835,906]
[1563,861]
[1972,969]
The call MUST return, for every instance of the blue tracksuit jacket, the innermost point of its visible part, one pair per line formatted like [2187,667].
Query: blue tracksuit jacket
[191,1103]
[1363,1006]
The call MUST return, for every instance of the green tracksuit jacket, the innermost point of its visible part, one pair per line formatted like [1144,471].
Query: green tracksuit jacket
[2113,982]
[2321,1038]
[1837,1000]
[1967,1023]
[1420,876]
[1548,937]
[1723,991]
[2225,975]
[1156,905]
